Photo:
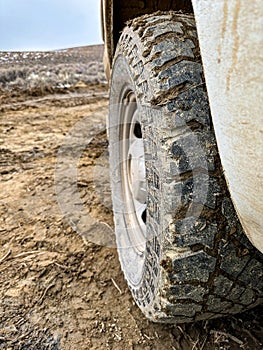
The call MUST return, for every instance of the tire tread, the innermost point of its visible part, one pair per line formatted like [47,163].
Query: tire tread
[204,268]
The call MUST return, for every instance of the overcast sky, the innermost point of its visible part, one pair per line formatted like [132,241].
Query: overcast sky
[48,24]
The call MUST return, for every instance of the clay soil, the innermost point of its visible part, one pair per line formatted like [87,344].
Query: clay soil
[60,289]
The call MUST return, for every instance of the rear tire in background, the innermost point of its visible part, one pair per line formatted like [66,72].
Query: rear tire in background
[180,244]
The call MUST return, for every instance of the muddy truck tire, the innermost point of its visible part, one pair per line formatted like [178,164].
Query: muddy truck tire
[181,246]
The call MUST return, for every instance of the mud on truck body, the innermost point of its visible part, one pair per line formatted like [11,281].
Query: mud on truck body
[186,182]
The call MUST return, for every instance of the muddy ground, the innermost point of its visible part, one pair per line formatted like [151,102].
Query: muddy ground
[58,289]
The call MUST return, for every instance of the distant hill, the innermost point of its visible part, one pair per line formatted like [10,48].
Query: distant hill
[39,72]
[81,54]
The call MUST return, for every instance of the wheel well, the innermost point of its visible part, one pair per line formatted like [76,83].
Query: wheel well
[126,10]
[115,14]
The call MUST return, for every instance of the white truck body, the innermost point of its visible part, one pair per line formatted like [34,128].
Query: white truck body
[231,42]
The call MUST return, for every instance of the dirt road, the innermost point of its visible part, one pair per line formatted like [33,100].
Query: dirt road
[59,290]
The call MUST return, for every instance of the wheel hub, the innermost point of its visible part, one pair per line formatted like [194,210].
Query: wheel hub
[136,171]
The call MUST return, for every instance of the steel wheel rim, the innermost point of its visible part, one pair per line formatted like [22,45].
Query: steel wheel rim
[133,173]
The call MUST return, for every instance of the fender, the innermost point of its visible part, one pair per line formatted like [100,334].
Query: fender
[231,41]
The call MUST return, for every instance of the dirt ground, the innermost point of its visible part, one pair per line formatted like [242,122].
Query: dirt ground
[58,289]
